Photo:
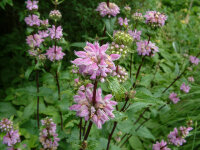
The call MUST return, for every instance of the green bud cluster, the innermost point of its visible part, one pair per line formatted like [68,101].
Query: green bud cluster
[119,49]
[55,15]
[123,38]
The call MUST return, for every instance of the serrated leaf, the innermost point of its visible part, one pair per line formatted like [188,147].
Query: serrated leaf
[28,72]
[118,90]
[78,44]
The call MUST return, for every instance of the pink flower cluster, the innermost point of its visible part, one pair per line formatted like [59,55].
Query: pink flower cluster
[6,125]
[43,33]
[55,53]
[48,136]
[55,15]
[94,61]
[12,136]
[31,5]
[146,48]
[137,16]
[32,20]
[161,146]
[174,98]
[155,18]
[185,88]
[55,32]
[176,137]
[98,113]
[191,79]
[194,60]
[121,74]
[135,34]
[122,21]
[34,40]
[104,10]
[44,23]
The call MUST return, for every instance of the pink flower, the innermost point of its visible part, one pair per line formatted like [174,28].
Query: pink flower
[43,33]
[55,32]
[122,21]
[32,20]
[31,5]
[185,131]
[121,74]
[45,23]
[155,18]
[194,60]
[146,48]
[161,146]
[6,125]
[135,34]
[191,79]
[34,40]
[55,53]
[98,113]
[176,137]
[11,138]
[185,88]
[137,16]
[173,97]
[48,136]
[104,10]
[94,61]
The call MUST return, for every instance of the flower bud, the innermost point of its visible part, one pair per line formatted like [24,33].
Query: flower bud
[55,15]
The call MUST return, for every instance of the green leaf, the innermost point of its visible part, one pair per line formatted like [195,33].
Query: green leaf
[145,133]
[29,110]
[28,72]
[110,24]
[118,90]
[6,110]
[78,44]
[135,143]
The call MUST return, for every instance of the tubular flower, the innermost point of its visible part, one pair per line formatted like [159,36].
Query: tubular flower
[146,48]
[121,74]
[31,5]
[173,97]
[122,21]
[32,20]
[34,40]
[176,137]
[43,33]
[55,53]
[55,32]
[98,112]
[44,23]
[104,10]
[194,60]
[94,61]
[155,18]
[161,146]
[48,136]
[11,138]
[135,34]
[185,88]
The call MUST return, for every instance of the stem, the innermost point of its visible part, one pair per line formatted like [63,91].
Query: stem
[138,72]
[141,115]
[84,128]
[38,99]
[94,92]
[80,126]
[110,135]
[104,34]
[142,124]
[131,64]
[108,3]
[126,101]
[126,141]
[88,131]
[59,98]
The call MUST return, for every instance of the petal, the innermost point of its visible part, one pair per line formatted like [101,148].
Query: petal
[78,61]
[75,107]
[108,97]
[81,54]
[115,56]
